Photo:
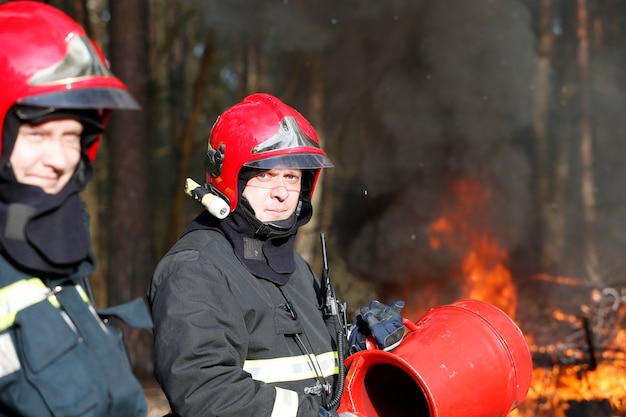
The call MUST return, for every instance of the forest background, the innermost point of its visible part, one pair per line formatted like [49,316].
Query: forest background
[507,115]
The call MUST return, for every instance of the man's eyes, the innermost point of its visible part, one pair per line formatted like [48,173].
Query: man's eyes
[71,138]
[289,177]
[31,134]
[39,136]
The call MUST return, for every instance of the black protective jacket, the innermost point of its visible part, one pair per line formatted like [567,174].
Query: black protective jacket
[230,344]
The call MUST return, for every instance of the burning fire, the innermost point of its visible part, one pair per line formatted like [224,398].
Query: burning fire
[554,389]
[591,370]
[572,376]
[463,228]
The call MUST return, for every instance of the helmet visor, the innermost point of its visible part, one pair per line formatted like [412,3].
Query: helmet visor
[84,98]
[300,161]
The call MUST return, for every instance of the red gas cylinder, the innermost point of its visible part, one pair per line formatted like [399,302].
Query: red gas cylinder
[465,359]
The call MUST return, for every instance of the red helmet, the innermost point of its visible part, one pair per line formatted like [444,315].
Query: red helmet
[260,132]
[47,60]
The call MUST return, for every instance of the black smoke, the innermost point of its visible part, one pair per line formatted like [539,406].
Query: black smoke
[445,94]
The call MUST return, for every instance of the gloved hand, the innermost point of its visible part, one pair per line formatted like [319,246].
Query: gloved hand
[383,322]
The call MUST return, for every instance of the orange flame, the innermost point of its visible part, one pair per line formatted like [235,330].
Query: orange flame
[463,229]
[554,389]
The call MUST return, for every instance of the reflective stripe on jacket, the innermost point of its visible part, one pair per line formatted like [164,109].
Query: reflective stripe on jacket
[24,293]
[285,403]
[292,368]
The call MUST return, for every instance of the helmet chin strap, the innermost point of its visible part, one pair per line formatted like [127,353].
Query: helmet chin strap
[270,230]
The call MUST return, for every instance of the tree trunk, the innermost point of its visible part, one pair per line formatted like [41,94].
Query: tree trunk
[548,218]
[586,146]
[130,209]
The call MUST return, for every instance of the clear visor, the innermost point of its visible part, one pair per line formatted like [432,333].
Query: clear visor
[300,161]
[84,98]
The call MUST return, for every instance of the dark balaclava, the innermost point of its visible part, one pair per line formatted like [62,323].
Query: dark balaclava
[45,234]
[267,248]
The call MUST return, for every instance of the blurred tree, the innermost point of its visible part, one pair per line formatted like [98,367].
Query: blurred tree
[588,197]
[131,260]
[552,220]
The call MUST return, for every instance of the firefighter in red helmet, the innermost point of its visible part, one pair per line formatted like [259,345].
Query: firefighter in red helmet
[57,356]
[243,327]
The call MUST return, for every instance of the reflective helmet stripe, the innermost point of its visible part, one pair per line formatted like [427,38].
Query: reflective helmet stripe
[24,293]
[81,61]
[293,368]
[285,403]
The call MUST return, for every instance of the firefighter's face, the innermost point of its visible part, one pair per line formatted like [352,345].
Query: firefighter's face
[46,155]
[274,194]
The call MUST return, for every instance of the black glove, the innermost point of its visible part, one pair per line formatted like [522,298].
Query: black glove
[383,322]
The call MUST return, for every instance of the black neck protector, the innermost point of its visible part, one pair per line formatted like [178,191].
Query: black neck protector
[267,250]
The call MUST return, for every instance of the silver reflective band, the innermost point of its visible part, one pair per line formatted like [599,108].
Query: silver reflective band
[9,361]
[293,368]
[81,60]
[289,135]
[285,403]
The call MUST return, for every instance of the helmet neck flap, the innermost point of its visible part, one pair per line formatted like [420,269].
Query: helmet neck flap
[266,249]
